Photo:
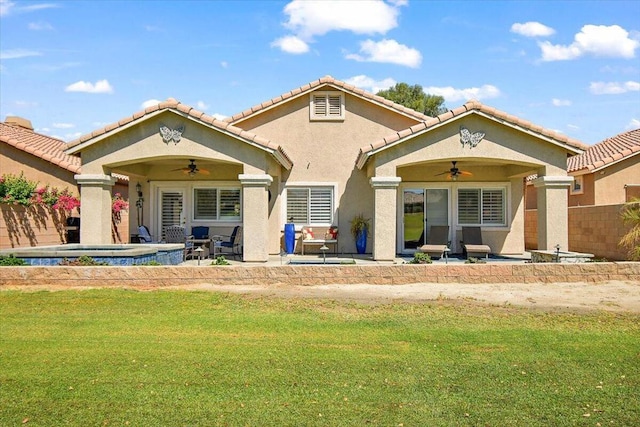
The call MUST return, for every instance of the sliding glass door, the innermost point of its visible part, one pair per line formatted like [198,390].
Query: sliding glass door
[422,208]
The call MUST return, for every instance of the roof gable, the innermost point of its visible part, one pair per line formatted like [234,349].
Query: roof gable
[606,153]
[324,83]
[45,147]
[471,107]
[191,113]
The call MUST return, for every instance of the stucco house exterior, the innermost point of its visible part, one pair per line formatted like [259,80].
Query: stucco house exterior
[321,154]
[42,159]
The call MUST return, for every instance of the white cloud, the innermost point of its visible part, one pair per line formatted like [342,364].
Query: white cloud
[101,86]
[573,127]
[150,103]
[40,26]
[560,102]
[202,106]
[613,88]
[596,40]
[633,124]
[291,44]
[63,125]
[316,18]
[387,51]
[451,94]
[532,29]
[224,64]
[369,84]
[25,104]
[72,136]
[310,19]
[7,7]
[18,53]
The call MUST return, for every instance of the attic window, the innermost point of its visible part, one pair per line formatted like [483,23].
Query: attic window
[326,106]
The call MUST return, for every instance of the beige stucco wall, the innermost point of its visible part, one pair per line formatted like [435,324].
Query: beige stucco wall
[610,181]
[14,161]
[325,152]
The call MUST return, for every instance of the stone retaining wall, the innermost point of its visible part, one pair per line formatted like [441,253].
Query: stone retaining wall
[158,277]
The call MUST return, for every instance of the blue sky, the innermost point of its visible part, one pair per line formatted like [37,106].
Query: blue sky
[74,66]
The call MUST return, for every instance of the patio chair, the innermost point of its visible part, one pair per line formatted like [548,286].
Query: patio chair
[472,243]
[200,232]
[177,234]
[144,236]
[201,239]
[233,242]
[437,242]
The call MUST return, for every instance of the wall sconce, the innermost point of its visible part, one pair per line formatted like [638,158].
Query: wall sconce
[139,190]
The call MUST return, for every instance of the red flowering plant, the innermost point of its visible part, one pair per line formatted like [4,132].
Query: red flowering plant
[17,190]
[66,201]
[118,205]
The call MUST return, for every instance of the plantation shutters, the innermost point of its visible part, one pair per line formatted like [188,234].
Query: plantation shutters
[171,203]
[217,204]
[481,206]
[310,205]
[327,106]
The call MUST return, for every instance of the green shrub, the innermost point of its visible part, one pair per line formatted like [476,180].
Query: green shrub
[17,189]
[421,258]
[220,260]
[83,261]
[473,260]
[11,260]
[153,263]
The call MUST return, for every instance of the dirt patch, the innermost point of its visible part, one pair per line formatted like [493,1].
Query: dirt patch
[616,296]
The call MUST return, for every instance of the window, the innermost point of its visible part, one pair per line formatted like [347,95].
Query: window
[326,106]
[310,205]
[481,206]
[216,204]
[577,186]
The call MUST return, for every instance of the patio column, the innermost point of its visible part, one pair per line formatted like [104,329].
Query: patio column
[553,215]
[385,196]
[255,213]
[95,209]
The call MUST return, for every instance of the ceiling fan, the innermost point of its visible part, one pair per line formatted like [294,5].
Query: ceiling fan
[192,169]
[454,172]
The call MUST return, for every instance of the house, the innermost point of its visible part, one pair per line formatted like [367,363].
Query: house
[42,159]
[606,175]
[323,153]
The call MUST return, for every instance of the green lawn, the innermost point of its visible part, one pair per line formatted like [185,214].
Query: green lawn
[172,358]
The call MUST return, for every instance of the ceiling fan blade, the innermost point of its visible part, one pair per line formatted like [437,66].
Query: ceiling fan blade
[179,169]
[203,171]
[467,173]
[443,173]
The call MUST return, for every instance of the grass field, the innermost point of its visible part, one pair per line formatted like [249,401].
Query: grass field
[171,358]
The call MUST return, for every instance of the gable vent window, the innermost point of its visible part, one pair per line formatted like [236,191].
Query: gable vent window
[327,106]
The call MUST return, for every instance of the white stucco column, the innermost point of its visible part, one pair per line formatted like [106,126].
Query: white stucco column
[255,213]
[95,208]
[553,215]
[385,189]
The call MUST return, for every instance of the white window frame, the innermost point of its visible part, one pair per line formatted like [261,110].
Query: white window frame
[482,188]
[314,114]
[309,185]
[219,218]
[577,186]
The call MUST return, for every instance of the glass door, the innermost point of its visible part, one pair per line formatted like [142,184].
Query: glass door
[422,208]
[171,209]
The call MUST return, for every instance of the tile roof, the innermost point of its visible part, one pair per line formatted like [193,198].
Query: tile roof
[327,81]
[45,147]
[183,109]
[606,152]
[467,108]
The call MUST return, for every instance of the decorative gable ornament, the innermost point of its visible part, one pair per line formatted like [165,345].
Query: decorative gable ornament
[171,135]
[467,137]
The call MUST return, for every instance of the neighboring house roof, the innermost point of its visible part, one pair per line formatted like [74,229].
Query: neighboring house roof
[606,153]
[189,112]
[471,107]
[319,84]
[45,147]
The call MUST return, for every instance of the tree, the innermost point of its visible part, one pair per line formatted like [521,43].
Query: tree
[630,215]
[415,98]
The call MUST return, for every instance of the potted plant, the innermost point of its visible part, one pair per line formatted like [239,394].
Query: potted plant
[360,230]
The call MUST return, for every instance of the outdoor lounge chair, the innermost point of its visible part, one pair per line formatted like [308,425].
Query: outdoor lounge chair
[177,234]
[234,241]
[437,242]
[144,236]
[472,243]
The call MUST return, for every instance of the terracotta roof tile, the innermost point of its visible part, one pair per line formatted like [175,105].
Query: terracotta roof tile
[171,103]
[606,152]
[473,105]
[47,148]
[327,80]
